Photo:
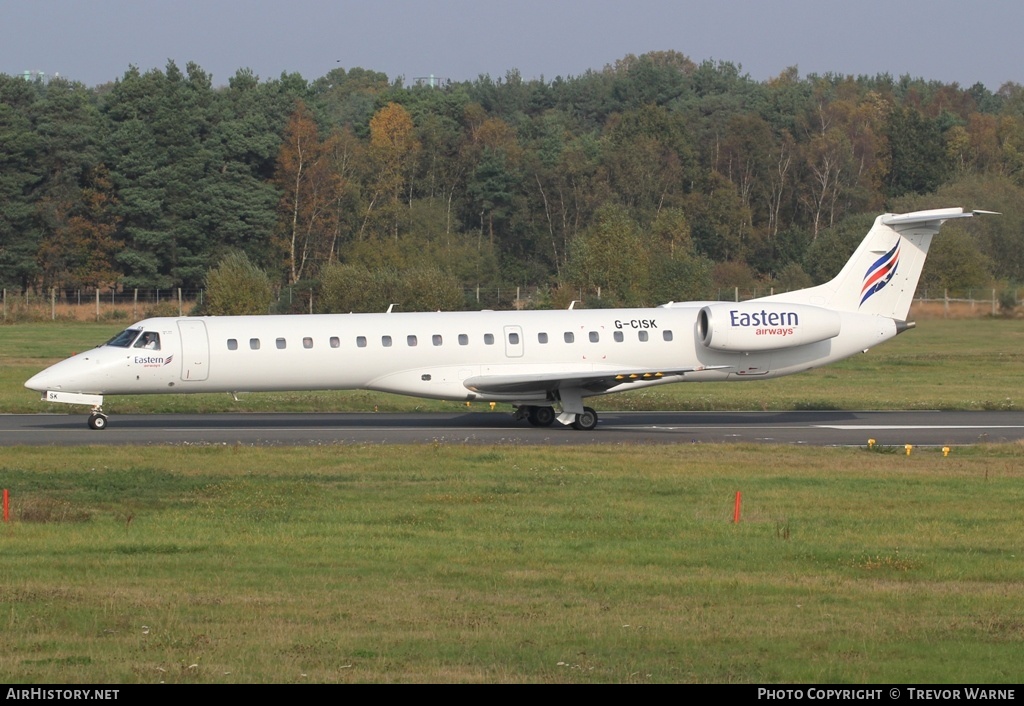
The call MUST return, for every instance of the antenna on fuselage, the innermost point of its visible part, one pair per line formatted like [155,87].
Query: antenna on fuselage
[573,303]
[390,307]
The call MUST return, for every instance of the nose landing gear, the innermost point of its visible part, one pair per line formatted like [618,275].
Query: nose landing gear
[97,420]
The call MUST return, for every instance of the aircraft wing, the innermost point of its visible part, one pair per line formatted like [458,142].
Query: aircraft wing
[594,381]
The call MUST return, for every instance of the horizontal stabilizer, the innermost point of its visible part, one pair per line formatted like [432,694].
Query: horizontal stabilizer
[935,217]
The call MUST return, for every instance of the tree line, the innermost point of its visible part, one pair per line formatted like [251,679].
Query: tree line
[654,179]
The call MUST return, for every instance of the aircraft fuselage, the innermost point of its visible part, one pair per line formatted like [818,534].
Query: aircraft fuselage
[434,354]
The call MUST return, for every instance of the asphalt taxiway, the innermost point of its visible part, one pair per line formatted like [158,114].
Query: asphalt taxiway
[815,428]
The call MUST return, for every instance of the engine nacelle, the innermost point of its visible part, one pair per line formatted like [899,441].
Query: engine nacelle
[764,326]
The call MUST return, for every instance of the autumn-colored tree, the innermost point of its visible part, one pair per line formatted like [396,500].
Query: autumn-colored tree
[392,153]
[312,188]
[843,154]
[80,250]
[975,148]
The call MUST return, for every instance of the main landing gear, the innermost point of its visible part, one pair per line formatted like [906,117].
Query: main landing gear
[545,417]
[540,416]
[585,421]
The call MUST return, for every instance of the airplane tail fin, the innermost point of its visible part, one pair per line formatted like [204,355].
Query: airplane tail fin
[881,276]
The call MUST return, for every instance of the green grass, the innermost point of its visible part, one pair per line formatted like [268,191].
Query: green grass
[447,563]
[942,364]
[505,564]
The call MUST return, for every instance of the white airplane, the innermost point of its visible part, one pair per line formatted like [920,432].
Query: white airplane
[544,363]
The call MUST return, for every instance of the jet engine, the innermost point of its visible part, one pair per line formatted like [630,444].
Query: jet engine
[764,326]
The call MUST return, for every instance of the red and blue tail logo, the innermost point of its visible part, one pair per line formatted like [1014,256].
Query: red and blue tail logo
[879,274]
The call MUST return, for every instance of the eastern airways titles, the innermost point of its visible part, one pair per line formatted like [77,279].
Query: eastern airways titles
[764,318]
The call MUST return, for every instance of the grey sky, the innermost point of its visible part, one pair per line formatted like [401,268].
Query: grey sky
[94,41]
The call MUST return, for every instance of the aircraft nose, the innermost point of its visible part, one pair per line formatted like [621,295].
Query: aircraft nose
[42,381]
[67,375]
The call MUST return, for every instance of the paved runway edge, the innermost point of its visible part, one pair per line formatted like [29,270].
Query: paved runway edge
[814,428]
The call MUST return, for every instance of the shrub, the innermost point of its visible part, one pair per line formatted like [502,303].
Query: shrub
[237,287]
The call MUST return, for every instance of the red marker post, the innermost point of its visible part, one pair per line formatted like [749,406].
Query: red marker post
[736,511]
[7,506]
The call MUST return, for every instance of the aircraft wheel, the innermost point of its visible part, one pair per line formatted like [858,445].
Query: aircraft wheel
[541,416]
[585,421]
[98,421]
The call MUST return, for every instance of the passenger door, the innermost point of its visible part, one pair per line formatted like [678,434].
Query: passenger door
[195,350]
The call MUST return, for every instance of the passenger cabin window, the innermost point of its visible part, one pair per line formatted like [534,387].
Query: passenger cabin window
[594,337]
[281,344]
[232,344]
[619,338]
[335,342]
[411,340]
[542,338]
[361,341]
[569,338]
[150,340]
[254,344]
[463,339]
[307,342]
[489,339]
[643,336]
[437,339]
[667,335]
[513,339]
[124,339]
[385,341]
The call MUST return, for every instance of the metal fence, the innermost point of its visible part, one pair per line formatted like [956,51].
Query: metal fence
[134,304]
[98,304]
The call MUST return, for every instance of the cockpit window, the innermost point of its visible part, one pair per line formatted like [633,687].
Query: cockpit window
[124,339]
[150,340]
